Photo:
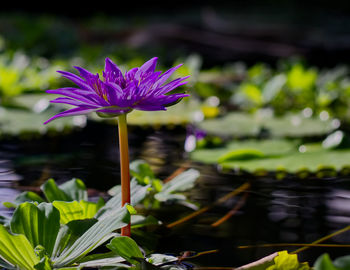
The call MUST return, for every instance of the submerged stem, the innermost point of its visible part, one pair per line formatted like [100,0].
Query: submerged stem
[347,228]
[124,166]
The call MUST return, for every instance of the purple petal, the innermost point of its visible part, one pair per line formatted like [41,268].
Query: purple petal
[130,75]
[149,66]
[130,94]
[77,94]
[115,94]
[140,88]
[76,79]
[112,73]
[72,102]
[146,68]
[110,66]
[166,75]
[164,100]
[147,84]
[84,73]
[72,112]
[171,86]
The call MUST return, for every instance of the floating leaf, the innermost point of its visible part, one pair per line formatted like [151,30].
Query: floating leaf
[273,86]
[96,235]
[142,171]
[76,210]
[53,193]
[261,264]
[181,182]
[6,265]
[27,124]
[138,221]
[28,196]
[241,154]
[286,261]
[342,263]
[69,233]
[110,261]
[158,259]
[44,264]
[17,250]
[75,189]
[299,78]
[127,248]
[269,148]
[181,114]
[40,224]
[324,262]
[244,124]
[279,154]
[232,124]
[71,190]
[138,192]
[333,140]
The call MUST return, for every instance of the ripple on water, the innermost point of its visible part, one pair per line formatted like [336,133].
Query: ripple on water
[8,186]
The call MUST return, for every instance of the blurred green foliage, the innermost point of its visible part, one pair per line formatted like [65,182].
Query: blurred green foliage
[19,74]
[294,86]
[30,55]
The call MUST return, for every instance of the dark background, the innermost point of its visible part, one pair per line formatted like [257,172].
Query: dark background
[220,31]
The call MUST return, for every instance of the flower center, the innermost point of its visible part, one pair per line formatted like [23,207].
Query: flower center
[99,89]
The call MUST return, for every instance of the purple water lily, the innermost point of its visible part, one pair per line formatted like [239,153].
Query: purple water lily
[116,94]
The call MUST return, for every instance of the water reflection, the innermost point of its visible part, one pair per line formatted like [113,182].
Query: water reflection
[275,211]
[7,175]
[338,214]
[8,183]
[289,211]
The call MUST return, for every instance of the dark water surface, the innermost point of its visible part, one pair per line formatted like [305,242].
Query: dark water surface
[291,210]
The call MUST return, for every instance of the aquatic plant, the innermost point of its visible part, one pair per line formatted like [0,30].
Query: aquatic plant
[280,156]
[20,73]
[265,123]
[116,95]
[295,86]
[75,190]
[277,260]
[324,262]
[148,191]
[54,231]
[54,236]
[38,238]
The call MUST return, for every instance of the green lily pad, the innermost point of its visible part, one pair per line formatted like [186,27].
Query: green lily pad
[34,102]
[269,148]
[237,124]
[37,109]
[275,155]
[180,114]
[241,154]
[28,124]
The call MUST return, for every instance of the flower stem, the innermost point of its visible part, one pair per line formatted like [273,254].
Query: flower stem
[124,166]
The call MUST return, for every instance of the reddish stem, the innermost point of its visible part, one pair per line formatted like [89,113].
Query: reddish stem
[124,166]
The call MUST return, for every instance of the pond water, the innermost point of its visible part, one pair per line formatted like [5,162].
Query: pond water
[291,210]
